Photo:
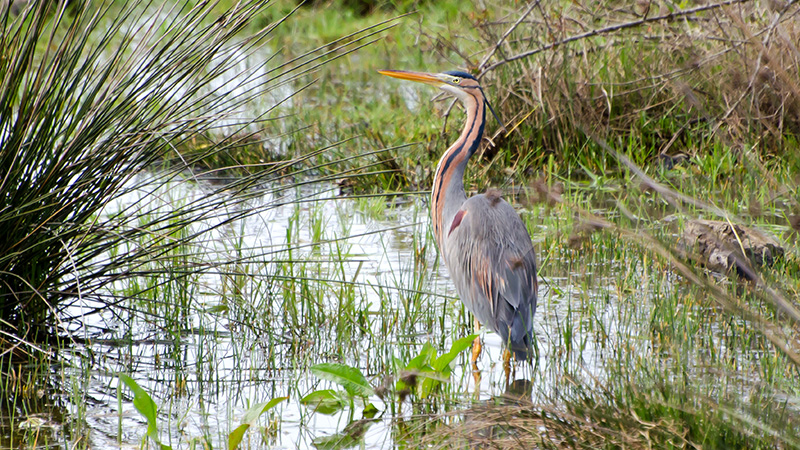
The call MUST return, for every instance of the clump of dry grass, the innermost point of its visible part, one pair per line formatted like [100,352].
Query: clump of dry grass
[534,427]
[665,79]
[657,417]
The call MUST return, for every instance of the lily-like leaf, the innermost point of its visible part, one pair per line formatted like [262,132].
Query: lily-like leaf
[325,401]
[423,360]
[458,346]
[427,371]
[146,407]
[350,378]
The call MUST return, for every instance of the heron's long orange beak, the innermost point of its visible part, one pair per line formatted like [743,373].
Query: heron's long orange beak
[420,77]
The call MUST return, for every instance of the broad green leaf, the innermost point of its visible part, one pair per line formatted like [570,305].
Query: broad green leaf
[146,407]
[326,401]
[250,418]
[350,378]
[426,355]
[430,370]
[397,364]
[458,346]
[236,436]
[418,367]
[429,383]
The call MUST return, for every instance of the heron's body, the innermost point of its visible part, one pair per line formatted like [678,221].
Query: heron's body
[494,270]
[482,240]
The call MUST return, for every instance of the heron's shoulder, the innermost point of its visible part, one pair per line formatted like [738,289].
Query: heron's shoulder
[495,218]
[492,198]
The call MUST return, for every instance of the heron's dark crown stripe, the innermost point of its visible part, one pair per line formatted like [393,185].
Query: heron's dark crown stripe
[458,73]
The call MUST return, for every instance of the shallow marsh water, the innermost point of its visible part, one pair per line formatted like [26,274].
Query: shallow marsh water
[313,277]
[359,283]
[310,277]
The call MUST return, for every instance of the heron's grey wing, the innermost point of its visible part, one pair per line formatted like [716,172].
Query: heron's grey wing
[492,263]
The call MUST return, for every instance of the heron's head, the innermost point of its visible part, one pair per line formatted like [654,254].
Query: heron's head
[459,84]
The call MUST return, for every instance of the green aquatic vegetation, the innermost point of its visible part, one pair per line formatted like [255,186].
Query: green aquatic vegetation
[327,401]
[350,378]
[420,377]
[145,405]
[249,419]
[424,373]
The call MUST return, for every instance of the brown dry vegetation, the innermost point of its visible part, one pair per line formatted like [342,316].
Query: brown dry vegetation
[660,80]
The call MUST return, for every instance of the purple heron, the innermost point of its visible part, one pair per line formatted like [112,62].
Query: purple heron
[481,239]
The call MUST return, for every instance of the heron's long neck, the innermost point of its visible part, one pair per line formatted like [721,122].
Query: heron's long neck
[448,193]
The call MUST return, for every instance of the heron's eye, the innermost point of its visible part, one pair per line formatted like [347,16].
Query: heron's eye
[456,80]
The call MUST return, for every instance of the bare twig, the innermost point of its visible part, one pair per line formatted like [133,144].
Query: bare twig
[610,29]
[505,35]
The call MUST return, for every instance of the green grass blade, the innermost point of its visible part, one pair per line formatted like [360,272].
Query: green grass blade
[249,418]
[146,407]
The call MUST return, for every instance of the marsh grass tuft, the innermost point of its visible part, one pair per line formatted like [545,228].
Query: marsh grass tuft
[86,110]
[93,98]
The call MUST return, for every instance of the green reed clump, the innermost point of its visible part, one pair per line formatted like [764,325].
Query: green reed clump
[94,95]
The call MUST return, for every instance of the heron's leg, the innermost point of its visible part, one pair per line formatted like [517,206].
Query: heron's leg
[476,351]
[476,344]
[514,370]
[507,364]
